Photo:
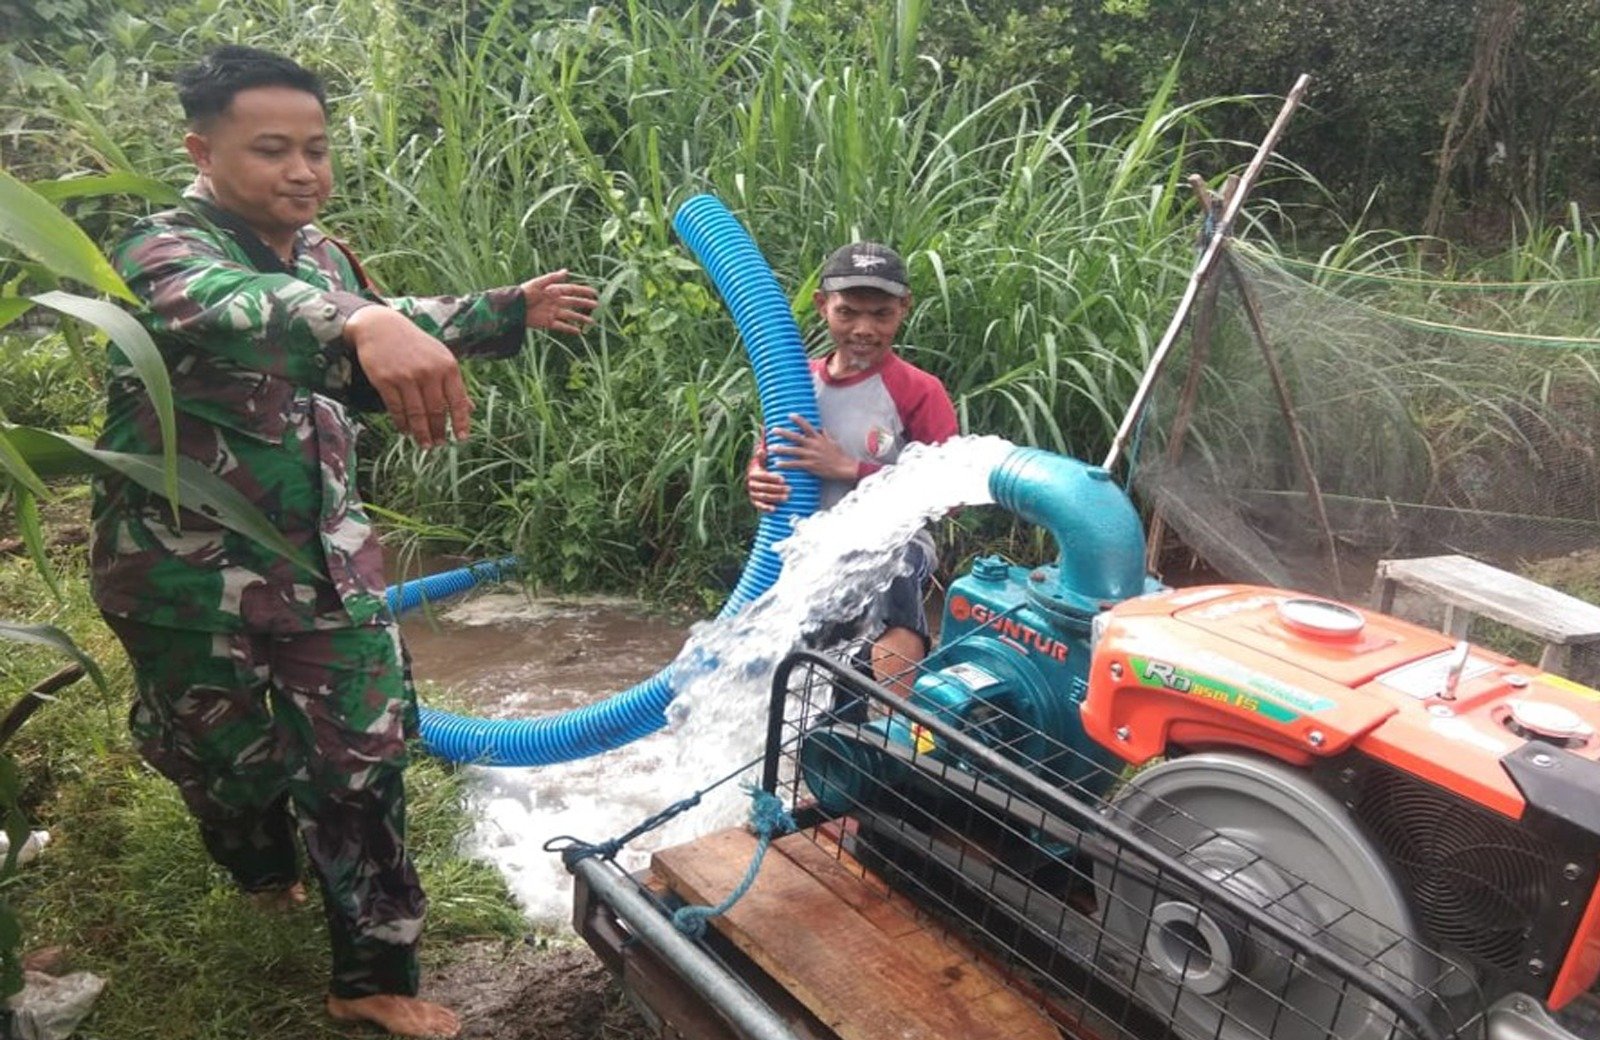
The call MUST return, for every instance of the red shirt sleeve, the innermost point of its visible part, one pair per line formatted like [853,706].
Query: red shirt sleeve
[922,401]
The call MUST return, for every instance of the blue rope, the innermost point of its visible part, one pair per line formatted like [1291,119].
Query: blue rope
[574,849]
[768,820]
[1208,231]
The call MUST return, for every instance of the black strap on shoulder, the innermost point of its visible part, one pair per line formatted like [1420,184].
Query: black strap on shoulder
[261,257]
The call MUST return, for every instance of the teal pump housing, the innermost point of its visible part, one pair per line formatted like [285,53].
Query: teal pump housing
[1013,661]
[1012,665]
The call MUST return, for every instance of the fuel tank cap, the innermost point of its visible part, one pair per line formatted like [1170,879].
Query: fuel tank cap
[1541,720]
[1320,618]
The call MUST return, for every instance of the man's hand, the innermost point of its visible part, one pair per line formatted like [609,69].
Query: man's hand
[558,305]
[767,490]
[813,451]
[415,374]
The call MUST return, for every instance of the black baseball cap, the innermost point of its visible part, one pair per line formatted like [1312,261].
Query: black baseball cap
[865,265]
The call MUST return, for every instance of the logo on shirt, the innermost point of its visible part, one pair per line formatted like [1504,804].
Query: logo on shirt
[880,442]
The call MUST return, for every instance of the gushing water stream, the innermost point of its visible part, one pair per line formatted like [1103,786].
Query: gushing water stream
[834,564]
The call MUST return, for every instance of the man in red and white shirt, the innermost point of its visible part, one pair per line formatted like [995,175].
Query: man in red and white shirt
[872,403]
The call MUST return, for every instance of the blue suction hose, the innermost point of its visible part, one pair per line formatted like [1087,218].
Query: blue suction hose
[410,595]
[783,381]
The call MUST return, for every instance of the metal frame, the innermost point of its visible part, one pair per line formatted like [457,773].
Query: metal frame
[605,901]
[1066,833]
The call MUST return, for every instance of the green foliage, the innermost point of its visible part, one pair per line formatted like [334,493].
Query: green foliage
[1047,234]
[1386,76]
[44,383]
[1047,244]
[45,235]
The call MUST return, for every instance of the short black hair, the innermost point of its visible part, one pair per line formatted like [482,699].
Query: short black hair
[207,89]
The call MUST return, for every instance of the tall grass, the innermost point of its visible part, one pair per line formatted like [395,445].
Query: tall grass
[1047,245]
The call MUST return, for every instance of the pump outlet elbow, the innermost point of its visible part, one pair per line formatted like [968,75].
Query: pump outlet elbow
[1096,528]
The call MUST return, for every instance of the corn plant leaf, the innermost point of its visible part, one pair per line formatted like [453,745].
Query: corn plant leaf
[52,637]
[54,454]
[121,182]
[33,537]
[12,308]
[17,468]
[29,222]
[142,353]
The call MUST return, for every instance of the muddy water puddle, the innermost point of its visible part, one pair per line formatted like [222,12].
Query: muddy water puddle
[505,655]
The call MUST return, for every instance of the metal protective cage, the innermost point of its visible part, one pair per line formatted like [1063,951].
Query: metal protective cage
[1121,914]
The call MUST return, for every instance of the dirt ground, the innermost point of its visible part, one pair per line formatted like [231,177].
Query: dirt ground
[537,990]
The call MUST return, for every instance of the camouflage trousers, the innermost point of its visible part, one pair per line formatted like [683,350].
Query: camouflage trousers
[265,732]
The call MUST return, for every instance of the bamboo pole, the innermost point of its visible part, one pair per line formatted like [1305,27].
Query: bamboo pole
[1207,261]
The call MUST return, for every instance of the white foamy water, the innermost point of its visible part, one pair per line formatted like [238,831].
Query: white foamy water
[834,565]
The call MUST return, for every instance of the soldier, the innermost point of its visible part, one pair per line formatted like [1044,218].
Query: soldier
[277,699]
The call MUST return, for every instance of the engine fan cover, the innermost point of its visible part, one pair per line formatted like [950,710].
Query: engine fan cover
[1266,835]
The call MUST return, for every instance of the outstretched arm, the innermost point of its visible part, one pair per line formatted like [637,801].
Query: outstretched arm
[490,324]
[422,387]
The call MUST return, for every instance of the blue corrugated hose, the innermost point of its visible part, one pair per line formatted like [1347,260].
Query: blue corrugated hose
[783,382]
[412,594]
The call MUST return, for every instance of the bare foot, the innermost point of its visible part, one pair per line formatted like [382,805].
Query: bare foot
[402,1016]
[48,960]
[279,899]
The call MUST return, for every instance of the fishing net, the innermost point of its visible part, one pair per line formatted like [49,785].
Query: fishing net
[1433,417]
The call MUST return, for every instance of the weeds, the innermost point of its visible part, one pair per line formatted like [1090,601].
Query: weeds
[1046,243]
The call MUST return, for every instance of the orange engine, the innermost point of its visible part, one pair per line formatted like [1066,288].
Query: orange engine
[1476,775]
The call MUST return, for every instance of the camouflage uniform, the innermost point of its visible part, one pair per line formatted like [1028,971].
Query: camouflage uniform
[262,688]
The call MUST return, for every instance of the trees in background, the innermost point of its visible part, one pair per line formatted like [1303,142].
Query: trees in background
[1028,158]
[1444,115]
[1448,115]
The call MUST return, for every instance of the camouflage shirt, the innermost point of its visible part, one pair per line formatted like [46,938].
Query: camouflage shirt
[259,369]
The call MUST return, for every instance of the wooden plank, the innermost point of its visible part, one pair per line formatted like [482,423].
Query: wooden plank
[1383,594]
[862,982]
[1555,658]
[1463,582]
[674,1009]
[862,891]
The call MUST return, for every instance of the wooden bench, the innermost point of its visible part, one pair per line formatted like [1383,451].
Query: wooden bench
[1470,589]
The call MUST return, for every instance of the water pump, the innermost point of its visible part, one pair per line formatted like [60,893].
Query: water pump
[1012,663]
[1225,812]
[1013,660]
